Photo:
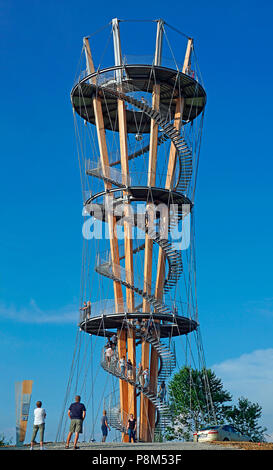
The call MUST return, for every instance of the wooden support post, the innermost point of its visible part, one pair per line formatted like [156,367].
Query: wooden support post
[128,242]
[128,248]
[168,185]
[104,159]
[170,171]
[147,411]
[153,369]
[187,60]
[169,182]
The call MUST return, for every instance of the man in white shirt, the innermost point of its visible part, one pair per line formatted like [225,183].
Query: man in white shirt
[39,424]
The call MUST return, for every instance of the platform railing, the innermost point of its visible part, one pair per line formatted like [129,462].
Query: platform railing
[120,179]
[114,175]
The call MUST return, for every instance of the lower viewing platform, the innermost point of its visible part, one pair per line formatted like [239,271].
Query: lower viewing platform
[107,324]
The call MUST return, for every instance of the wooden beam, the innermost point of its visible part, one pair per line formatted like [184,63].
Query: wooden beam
[128,248]
[144,402]
[104,159]
[168,185]
[153,369]
[150,183]
[146,424]
[128,242]
[171,170]
[147,411]
[187,60]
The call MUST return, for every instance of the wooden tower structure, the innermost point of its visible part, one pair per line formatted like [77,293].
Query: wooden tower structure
[142,111]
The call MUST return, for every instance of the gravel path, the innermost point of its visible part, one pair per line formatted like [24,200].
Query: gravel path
[111,446]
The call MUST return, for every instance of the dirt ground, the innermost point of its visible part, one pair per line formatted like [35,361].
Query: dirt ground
[168,446]
[247,445]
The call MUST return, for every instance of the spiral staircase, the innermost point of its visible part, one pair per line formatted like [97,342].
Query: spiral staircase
[117,273]
[167,360]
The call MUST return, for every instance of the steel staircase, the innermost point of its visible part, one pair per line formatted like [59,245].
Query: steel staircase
[173,257]
[167,365]
[183,151]
[119,274]
[161,139]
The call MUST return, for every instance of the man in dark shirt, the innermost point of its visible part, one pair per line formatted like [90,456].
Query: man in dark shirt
[77,414]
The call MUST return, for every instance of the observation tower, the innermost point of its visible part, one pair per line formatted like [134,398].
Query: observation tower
[139,126]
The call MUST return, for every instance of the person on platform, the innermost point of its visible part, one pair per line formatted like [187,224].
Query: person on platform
[38,425]
[150,326]
[76,413]
[139,377]
[130,369]
[146,378]
[114,340]
[122,364]
[86,309]
[104,426]
[108,355]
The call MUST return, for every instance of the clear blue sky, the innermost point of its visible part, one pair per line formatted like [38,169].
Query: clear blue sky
[41,241]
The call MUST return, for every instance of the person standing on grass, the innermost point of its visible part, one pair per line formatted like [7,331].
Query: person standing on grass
[38,425]
[76,413]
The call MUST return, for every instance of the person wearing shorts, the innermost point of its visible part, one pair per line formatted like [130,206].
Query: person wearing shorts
[76,413]
[38,425]
[104,426]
